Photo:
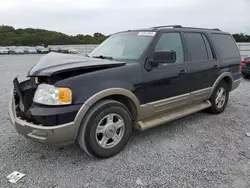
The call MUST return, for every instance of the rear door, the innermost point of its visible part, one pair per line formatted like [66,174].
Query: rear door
[204,66]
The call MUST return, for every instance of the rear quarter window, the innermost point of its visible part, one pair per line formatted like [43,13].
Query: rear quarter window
[226,46]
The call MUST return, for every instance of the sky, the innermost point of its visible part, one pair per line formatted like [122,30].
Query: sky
[110,16]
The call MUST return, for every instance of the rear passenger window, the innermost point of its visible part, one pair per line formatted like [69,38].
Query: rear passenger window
[226,46]
[171,41]
[196,47]
[209,49]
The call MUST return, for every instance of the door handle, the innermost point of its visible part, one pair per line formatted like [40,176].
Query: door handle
[183,72]
[216,66]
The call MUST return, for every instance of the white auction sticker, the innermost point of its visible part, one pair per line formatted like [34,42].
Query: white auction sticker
[15,176]
[151,34]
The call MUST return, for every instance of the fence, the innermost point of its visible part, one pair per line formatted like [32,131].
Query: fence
[84,49]
[244,49]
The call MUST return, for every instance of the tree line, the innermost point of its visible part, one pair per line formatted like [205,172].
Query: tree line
[9,36]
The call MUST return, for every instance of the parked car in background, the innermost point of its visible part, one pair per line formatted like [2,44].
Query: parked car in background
[65,50]
[42,50]
[54,49]
[30,50]
[245,67]
[3,51]
[72,51]
[16,50]
[11,49]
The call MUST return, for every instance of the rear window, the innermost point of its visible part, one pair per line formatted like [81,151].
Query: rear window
[226,46]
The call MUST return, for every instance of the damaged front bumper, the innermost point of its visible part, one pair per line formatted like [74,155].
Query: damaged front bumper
[63,134]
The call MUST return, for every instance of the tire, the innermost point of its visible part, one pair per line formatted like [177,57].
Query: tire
[245,76]
[98,116]
[219,107]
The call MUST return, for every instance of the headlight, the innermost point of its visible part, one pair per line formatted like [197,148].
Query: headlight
[51,95]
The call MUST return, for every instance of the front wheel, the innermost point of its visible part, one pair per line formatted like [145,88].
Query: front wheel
[219,98]
[105,129]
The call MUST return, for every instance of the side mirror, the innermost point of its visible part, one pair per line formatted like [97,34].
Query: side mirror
[162,57]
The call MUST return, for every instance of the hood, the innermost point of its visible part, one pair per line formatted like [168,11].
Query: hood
[54,63]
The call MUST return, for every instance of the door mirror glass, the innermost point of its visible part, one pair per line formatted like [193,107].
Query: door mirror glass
[162,57]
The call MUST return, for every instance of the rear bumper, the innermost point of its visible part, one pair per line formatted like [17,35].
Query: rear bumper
[63,134]
[245,71]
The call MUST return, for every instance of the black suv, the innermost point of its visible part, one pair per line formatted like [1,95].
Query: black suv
[134,80]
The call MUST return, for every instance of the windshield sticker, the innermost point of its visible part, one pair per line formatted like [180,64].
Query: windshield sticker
[151,34]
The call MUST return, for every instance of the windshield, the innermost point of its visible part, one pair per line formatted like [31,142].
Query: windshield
[128,45]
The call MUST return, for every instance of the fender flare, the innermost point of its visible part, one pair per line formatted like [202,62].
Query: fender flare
[222,76]
[100,95]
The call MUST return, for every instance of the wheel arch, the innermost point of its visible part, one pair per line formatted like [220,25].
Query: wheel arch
[122,95]
[227,77]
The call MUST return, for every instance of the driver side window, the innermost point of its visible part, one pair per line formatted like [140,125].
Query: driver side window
[171,41]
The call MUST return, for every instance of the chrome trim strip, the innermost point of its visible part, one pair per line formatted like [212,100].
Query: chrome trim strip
[156,107]
[201,95]
[171,107]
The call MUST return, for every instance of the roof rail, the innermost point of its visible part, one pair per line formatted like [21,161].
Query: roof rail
[179,26]
[201,28]
[162,26]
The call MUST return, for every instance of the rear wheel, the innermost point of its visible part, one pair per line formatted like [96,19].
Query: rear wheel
[219,98]
[105,129]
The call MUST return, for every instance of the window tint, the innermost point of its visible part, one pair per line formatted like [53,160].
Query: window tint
[226,45]
[209,50]
[196,46]
[171,41]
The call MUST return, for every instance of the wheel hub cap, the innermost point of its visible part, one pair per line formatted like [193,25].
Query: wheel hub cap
[110,131]
[220,97]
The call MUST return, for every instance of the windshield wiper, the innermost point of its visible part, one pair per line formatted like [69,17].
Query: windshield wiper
[103,57]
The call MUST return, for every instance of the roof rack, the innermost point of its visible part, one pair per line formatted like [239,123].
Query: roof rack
[179,26]
[162,26]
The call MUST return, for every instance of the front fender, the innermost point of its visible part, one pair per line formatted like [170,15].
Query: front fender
[107,88]
[100,95]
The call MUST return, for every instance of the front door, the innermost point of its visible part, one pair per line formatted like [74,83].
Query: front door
[170,79]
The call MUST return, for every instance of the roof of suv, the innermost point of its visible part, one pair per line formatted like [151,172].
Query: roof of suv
[177,27]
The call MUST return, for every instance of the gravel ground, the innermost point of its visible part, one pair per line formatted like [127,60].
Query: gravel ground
[200,150]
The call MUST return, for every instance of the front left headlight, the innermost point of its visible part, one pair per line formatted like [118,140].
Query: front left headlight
[51,95]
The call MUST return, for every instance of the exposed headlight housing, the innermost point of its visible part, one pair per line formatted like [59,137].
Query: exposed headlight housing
[51,95]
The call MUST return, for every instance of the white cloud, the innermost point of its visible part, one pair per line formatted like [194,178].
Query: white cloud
[110,16]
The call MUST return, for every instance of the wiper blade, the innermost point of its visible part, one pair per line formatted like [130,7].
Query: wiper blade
[103,57]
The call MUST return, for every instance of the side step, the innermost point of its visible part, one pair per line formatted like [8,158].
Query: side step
[172,115]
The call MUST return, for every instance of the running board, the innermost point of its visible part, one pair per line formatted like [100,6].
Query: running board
[171,115]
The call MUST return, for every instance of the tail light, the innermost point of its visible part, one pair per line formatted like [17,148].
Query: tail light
[243,61]
[240,67]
